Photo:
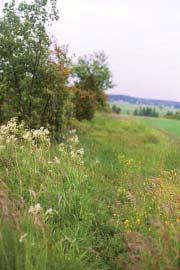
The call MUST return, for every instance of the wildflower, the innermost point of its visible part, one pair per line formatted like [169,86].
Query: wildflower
[62,147]
[80,152]
[126,221]
[56,160]
[27,136]
[74,139]
[13,131]
[32,193]
[22,238]
[50,162]
[73,155]
[49,211]
[34,210]
[72,131]
[11,139]
[138,221]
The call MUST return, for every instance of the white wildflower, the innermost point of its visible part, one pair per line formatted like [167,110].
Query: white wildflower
[56,160]
[80,152]
[22,238]
[34,210]
[49,211]
[72,131]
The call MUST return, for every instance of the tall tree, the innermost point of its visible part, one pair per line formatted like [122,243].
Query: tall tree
[26,63]
[92,77]
[92,73]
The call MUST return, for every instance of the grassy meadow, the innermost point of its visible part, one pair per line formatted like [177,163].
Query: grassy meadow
[169,125]
[105,201]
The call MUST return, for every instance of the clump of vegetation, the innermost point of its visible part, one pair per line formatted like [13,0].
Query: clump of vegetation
[33,77]
[173,115]
[84,104]
[35,73]
[146,111]
[116,109]
[92,77]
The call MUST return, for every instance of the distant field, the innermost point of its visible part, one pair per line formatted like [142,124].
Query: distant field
[168,125]
[128,108]
[171,126]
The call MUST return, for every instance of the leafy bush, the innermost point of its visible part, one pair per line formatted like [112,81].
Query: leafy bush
[116,109]
[84,104]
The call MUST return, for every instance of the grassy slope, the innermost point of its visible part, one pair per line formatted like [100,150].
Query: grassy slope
[118,211]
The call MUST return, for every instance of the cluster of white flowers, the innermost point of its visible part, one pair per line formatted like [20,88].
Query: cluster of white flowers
[10,132]
[37,209]
[62,148]
[71,148]
[49,212]
[14,131]
[37,135]
[76,153]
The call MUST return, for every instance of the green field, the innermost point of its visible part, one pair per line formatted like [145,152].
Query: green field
[168,125]
[115,207]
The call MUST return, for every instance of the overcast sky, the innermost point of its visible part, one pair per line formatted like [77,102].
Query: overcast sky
[141,38]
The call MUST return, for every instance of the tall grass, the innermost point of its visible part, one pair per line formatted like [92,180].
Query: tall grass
[114,207]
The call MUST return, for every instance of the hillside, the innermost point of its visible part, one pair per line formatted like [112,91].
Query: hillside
[108,201]
[143,101]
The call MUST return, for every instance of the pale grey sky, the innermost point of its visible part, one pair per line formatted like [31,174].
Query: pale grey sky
[141,38]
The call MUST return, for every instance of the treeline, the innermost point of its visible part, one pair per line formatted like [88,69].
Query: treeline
[39,83]
[173,115]
[146,111]
[141,111]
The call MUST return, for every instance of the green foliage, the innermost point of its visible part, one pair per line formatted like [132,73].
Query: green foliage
[148,112]
[32,80]
[34,74]
[84,104]
[173,115]
[92,74]
[116,109]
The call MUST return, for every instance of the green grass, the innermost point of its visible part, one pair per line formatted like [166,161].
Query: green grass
[168,125]
[117,211]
